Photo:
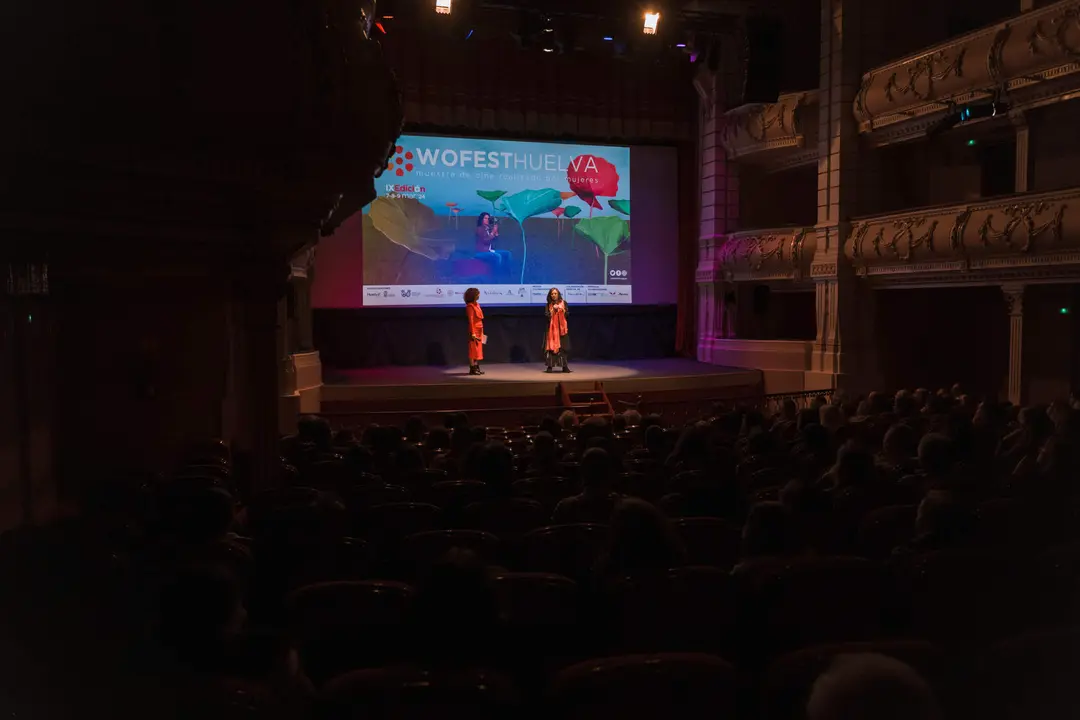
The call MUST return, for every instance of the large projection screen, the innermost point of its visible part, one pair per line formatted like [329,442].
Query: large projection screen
[508,217]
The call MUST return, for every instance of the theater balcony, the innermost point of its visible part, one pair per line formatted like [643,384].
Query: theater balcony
[781,254]
[777,135]
[1030,238]
[759,305]
[1028,61]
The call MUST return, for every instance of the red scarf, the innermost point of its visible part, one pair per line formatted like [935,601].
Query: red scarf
[556,327]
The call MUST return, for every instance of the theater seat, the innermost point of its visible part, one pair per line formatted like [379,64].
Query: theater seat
[688,609]
[666,685]
[962,598]
[808,601]
[543,630]
[1030,677]
[424,549]
[541,599]
[341,626]
[453,495]
[709,541]
[885,528]
[407,692]
[569,550]
[547,491]
[507,519]
[399,520]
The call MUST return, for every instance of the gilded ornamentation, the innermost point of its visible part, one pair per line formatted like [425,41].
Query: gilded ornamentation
[858,240]
[995,64]
[1014,300]
[905,229]
[1022,214]
[860,99]
[1027,56]
[956,236]
[1056,37]
[771,126]
[777,253]
[797,251]
[926,66]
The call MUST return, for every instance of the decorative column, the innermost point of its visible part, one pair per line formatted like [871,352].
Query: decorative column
[843,352]
[301,278]
[1014,303]
[717,82]
[303,391]
[256,370]
[1023,152]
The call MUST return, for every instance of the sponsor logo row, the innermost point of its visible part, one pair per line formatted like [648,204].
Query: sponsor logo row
[496,294]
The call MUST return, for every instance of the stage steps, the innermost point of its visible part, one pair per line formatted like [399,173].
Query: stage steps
[586,400]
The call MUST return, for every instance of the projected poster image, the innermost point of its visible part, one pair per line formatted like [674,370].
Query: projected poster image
[511,218]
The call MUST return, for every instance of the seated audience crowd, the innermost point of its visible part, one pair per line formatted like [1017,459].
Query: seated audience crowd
[907,556]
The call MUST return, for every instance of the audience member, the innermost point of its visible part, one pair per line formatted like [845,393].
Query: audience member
[770,532]
[641,539]
[941,523]
[595,502]
[455,615]
[871,687]
[168,548]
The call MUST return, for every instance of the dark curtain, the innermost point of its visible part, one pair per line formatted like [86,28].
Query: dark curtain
[488,85]
[372,337]
[689,227]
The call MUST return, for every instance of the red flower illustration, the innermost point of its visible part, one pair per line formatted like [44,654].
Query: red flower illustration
[591,177]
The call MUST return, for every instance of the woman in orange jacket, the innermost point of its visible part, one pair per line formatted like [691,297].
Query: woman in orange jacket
[475,316]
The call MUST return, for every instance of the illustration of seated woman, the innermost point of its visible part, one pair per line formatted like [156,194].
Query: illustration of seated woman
[487,233]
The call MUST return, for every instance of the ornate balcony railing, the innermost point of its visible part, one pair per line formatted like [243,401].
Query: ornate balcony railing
[1026,56]
[781,133]
[1037,235]
[774,254]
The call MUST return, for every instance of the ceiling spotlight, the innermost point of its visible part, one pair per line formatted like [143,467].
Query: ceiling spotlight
[548,42]
[652,20]
[443,7]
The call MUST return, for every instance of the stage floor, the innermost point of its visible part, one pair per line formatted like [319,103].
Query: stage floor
[513,380]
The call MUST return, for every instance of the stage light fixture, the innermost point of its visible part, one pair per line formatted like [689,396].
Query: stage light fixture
[443,7]
[652,22]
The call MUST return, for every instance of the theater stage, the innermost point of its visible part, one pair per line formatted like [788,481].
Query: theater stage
[525,386]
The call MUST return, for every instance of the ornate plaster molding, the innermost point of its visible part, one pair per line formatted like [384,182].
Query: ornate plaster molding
[769,132]
[773,254]
[1036,47]
[1011,234]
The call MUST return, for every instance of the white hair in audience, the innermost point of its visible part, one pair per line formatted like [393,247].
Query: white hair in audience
[871,687]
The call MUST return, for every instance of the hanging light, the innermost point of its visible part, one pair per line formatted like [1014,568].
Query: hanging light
[443,6]
[652,20]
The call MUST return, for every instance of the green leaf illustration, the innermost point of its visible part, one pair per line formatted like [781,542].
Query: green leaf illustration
[622,206]
[572,211]
[410,224]
[606,233]
[526,204]
[529,203]
[491,196]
